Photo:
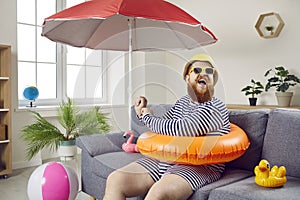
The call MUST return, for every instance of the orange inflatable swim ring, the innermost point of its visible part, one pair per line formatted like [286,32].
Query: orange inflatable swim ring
[209,149]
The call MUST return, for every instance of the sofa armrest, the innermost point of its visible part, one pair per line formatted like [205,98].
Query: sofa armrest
[97,144]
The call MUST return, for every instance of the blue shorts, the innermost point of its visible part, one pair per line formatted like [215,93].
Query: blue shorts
[196,175]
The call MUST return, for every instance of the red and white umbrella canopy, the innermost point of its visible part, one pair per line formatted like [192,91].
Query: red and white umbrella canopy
[106,25]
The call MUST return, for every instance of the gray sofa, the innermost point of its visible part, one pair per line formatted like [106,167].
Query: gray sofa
[274,135]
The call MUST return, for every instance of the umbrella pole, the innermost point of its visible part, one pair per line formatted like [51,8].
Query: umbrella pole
[129,72]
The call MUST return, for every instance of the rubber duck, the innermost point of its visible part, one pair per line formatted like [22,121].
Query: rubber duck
[269,178]
[129,146]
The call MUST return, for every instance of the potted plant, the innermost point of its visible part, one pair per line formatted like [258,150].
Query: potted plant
[281,80]
[254,89]
[43,133]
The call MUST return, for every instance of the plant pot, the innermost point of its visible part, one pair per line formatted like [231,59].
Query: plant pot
[252,101]
[284,98]
[67,150]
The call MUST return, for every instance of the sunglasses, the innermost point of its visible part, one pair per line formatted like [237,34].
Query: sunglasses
[206,70]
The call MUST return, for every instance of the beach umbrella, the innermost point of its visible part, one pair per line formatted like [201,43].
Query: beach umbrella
[127,25]
[152,24]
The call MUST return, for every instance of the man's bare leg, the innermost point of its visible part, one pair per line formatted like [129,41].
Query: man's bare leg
[170,187]
[129,181]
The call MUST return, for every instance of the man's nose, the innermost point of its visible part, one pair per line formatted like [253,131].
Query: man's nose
[202,75]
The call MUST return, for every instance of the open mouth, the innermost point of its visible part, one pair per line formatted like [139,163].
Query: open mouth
[202,82]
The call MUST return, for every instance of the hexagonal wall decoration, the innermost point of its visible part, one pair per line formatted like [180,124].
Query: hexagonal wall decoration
[269,25]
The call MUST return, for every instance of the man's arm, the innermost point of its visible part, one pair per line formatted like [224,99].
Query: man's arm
[202,121]
[169,113]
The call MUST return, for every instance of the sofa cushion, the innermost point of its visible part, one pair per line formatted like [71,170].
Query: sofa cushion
[230,175]
[103,165]
[282,140]
[138,127]
[248,189]
[101,143]
[253,122]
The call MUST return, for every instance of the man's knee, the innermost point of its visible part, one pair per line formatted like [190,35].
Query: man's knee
[113,187]
[115,178]
[170,187]
[158,193]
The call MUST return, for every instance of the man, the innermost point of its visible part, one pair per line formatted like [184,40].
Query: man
[198,113]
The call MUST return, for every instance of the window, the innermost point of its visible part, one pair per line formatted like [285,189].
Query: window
[84,73]
[56,70]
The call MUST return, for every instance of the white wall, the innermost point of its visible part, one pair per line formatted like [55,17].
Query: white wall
[240,54]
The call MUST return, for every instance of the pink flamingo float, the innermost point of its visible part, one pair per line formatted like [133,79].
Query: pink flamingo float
[129,146]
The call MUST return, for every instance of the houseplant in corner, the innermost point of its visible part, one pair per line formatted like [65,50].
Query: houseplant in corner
[254,89]
[282,80]
[43,133]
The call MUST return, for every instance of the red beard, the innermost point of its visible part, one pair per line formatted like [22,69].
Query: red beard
[198,96]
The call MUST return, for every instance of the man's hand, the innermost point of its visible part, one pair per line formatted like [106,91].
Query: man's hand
[140,102]
[146,111]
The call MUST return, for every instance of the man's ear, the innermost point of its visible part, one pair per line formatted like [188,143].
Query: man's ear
[187,78]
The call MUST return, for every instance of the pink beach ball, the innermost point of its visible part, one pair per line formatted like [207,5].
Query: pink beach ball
[53,181]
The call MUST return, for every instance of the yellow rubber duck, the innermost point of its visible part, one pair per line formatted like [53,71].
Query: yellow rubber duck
[269,178]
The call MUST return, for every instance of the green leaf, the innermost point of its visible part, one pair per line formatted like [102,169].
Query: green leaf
[257,91]
[248,93]
[91,122]
[41,133]
[292,78]
[273,79]
[268,86]
[259,85]
[283,87]
[246,88]
[254,89]
[268,72]
[282,73]
[280,68]
[281,80]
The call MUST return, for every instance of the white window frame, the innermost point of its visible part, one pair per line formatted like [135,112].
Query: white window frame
[61,74]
